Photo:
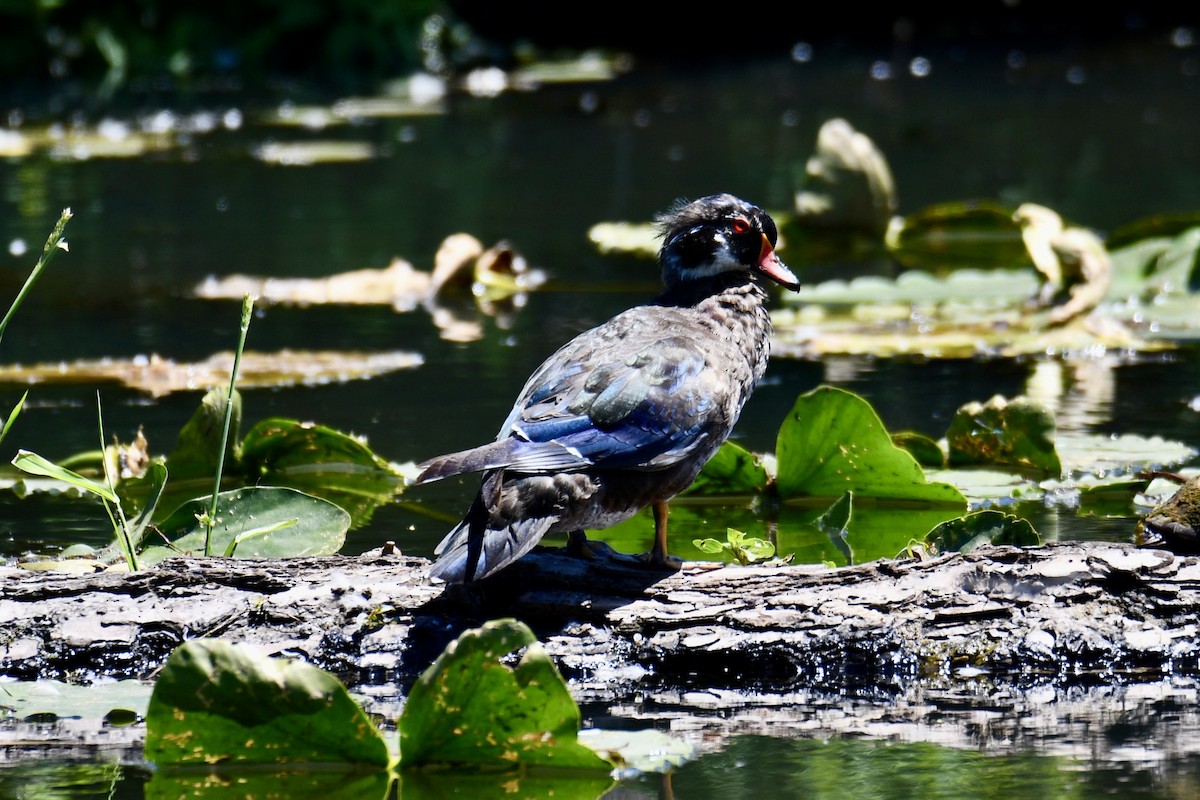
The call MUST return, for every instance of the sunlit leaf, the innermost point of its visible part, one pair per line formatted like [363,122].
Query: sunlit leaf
[833,442]
[471,709]
[968,532]
[217,702]
[320,530]
[36,465]
[1006,433]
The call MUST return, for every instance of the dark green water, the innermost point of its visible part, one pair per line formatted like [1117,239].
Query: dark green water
[1104,135]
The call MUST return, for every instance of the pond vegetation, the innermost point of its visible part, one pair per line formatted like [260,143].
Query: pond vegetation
[965,279]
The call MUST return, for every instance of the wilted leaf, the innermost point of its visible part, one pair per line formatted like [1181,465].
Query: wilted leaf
[159,376]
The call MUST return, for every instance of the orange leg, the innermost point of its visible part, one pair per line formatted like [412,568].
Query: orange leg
[658,556]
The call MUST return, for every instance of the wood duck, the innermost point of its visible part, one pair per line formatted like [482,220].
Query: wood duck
[626,414]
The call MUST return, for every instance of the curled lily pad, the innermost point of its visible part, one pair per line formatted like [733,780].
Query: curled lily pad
[847,182]
[978,233]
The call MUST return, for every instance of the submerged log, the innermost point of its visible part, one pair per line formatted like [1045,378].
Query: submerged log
[733,647]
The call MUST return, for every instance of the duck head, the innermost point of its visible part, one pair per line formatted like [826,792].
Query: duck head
[717,234]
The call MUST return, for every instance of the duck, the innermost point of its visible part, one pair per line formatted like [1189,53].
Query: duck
[626,414]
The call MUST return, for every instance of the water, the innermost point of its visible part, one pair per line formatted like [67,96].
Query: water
[1103,134]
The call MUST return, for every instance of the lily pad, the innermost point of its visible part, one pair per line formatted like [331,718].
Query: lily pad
[305,154]
[833,442]
[966,533]
[733,470]
[469,709]
[217,702]
[159,376]
[119,699]
[975,233]
[1015,433]
[253,522]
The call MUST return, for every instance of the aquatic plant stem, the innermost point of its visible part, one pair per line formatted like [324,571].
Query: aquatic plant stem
[247,308]
[54,243]
[116,514]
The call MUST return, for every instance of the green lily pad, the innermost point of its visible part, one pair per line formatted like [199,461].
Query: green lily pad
[968,532]
[833,442]
[978,233]
[470,709]
[254,522]
[1007,433]
[924,449]
[217,702]
[733,470]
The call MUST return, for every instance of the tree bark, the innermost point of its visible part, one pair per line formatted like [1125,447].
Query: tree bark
[709,650]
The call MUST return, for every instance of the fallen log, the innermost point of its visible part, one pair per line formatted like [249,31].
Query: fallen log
[726,649]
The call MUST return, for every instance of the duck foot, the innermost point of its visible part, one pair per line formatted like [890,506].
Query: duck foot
[579,546]
[655,560]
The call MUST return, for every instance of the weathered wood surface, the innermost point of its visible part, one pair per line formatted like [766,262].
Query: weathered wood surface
[1017,635]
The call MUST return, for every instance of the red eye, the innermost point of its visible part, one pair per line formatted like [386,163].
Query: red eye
[740,225]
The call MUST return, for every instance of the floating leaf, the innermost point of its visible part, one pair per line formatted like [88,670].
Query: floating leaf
[959,234]
[217,702]
[305,154]
[470,709]
[319,527]
[833,442]
[733,470]
[966,533]
[66,700]
[159,377]
[1007,433]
